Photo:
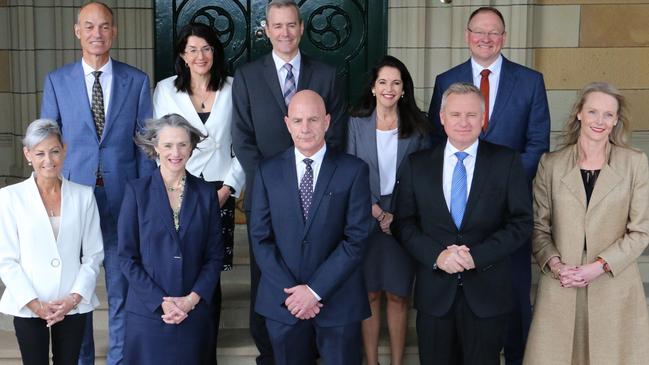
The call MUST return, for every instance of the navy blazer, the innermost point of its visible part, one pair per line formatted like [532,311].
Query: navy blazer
[496,222]
[520,118]
[258,128]
[65,100]
[156,259]
[326,252]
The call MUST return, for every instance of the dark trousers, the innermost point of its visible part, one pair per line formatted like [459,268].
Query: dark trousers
[460,337]
[34,340]
[518,323]
[300,344]
[258,322]
[216,317]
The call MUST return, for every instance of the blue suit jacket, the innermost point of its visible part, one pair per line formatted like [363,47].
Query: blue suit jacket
[156,259]
[325,252]
[520,118]
[65,100]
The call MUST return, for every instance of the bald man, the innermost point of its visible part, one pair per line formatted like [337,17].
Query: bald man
[309,220]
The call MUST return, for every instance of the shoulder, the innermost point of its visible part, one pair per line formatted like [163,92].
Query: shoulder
[77,188]
[16,189]
[141,184]
[124,68]
[251,67]
[360,122]
[628,156]
[167,83]
[65,69]
[517,68]
[451,74]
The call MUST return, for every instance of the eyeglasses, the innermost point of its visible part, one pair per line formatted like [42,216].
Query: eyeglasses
[486,34]
[193,52]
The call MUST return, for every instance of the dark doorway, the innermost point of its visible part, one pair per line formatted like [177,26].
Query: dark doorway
[350,34]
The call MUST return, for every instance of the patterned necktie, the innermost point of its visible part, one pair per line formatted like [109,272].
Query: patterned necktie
[306,188]
[289,83]
[98,104]
[458,189]
[484,89]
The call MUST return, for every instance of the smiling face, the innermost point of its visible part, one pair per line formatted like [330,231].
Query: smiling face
[462,117]
[284,29]
[485,37]
[598,116]
[46,157]
[96,31]
[174,148]
[198,56]
[388,87]
[307,122]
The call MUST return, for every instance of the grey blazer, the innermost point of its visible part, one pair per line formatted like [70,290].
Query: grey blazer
[361,142]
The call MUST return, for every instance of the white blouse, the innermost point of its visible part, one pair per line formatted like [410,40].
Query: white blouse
[387,143]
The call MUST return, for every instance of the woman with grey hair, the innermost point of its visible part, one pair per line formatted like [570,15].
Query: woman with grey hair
[170,250]
[46,224]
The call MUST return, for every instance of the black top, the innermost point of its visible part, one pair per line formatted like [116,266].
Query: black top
[589,177]
[204,116]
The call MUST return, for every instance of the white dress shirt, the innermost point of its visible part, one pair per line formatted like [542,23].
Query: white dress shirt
[450,160]
[301,169]
[387,144]
[494,79]
[281,71]
[105,79]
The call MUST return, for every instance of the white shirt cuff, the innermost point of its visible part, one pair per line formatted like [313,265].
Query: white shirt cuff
[314,293]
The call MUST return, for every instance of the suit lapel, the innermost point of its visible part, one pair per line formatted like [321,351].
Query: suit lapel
[466,72]
[189,203]
[574,183]
[368,136]
[119,93]
[161,201]
[289,175]
[270,74]
[480,179]
[305,73]
[322,185]
[607,180]
[76,83]
[505,87]
[436,182]
[403,146]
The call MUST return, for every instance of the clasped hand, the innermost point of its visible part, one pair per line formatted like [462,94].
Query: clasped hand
[455,259]
[53,311]
[175,309]
[301,302]
[575,276]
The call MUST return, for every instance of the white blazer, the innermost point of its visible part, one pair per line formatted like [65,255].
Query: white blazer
[35,264]
[213,157]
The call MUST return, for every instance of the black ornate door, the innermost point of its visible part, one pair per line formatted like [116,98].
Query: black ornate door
[350,34]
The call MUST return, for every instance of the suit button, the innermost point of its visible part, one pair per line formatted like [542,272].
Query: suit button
[55,262]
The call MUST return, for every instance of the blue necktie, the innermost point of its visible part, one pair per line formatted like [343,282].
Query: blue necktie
[289,83]
[458,189]
[306,188]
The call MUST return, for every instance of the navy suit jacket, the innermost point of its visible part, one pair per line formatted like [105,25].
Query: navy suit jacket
[520,118]
[258,128]
[496,222]
[324,253]
[156,259]
[65,100]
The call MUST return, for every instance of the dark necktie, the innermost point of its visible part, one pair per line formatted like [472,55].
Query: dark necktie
[458,189]
[484,89]
[306,188]
[98,104]
[289,83]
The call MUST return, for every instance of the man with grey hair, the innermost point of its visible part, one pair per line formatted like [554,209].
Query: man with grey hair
[462,209]
[261,91]
[100,104]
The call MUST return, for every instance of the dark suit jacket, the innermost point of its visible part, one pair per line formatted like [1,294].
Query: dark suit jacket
[156,259]
[520,118]
[326,252]
[258,128]
[361,142]
[497,220]
[65,100]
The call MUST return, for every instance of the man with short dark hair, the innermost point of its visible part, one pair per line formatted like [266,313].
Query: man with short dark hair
[309,221]
[516,116]
[462,209]
[100,104]
[261,91]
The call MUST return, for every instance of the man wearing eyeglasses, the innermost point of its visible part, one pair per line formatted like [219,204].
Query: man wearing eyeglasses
[516,116]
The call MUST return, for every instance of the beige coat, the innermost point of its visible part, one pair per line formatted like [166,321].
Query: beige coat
[616,228]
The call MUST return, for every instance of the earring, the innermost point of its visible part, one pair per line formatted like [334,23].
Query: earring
[402,94]
[29,163]
[373,93]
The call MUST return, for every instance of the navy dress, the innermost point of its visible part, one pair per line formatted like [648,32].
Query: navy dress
[158,261]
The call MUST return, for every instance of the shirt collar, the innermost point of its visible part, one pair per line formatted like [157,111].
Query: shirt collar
[295,62]
[317,157]
[494,67]
[106,69]
[472,150]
